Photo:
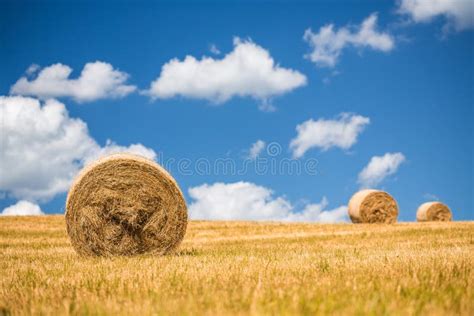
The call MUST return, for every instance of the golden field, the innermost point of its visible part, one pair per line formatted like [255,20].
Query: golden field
[242,268]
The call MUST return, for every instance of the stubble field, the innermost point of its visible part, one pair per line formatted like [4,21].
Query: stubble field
[240,268]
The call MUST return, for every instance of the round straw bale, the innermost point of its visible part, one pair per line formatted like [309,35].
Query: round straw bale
[373,206]
[433,211]
[125,205]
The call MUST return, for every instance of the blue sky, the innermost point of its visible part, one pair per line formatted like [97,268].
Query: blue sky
[417,94]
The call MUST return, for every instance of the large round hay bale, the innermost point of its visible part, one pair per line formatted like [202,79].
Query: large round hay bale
[373,206]
[433,211]
[125,205]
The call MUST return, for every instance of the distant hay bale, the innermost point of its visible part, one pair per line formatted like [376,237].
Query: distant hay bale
[125,205]
[373,206]
[433,211]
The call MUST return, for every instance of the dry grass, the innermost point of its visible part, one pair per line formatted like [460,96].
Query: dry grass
[245,268]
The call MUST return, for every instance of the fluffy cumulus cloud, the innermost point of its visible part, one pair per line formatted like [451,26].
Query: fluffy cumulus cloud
[341,132]
[98,80]
[43,148]
[458,13]
[317,212]
[239,201]
[22,208]
[328,44]
[112,148]
[256,149]
[248,201]
[379,168]
[247,71]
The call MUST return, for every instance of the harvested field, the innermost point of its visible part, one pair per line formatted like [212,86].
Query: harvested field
[245,268]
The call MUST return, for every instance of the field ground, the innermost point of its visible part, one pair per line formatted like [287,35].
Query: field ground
[245,268]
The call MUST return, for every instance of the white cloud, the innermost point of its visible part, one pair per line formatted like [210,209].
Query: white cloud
[379,168]
[341,132]
[43,148]
[317,213]
[458,13]
[112,148]
[328,79]
[327,44]
[22,208]
[213,49]
[236,201]
[256,149]
[247,71]
[248,201]
[98,80]
[32,69]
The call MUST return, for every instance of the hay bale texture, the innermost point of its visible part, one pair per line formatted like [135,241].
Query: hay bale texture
[433,211]
[373,206]
[125,205]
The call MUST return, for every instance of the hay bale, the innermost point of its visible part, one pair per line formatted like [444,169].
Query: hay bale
[433,211]
[373,206]
[125,205]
